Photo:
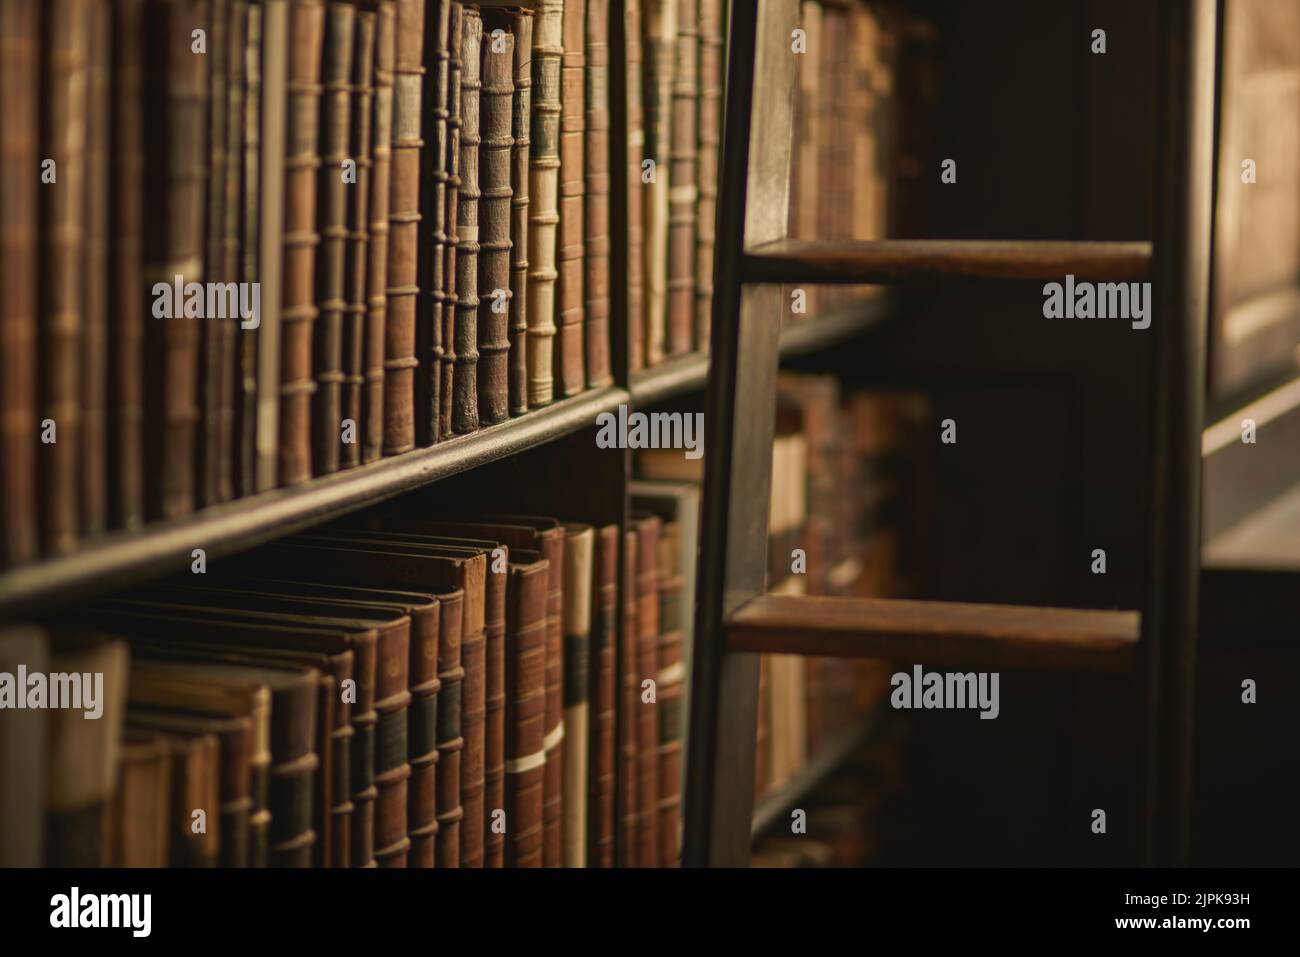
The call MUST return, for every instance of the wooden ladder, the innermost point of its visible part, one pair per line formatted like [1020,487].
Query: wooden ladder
[735,620]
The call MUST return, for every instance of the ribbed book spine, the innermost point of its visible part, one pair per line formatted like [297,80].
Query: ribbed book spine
[360,121]
[604,695]
[455,24]
[331,216]
[682,171]
[213,454]
[636,192]
[93,459]
[403,232]
[709,141]
[422,738]
[464,410]
[570,308]
[381,140]
[579,555]
[526,629]
[596,201]
[232,245]
[451,745]
[494,251]
[659,36]
[250,205]
[543,188]
[522,24]
[647,665]
[670,693]
[629,703]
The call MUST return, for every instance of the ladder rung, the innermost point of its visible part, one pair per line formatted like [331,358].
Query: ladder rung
[902,260]
[935,632]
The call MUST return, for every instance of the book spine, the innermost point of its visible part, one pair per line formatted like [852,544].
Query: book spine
[543,187]
[208,468]
[494,723]
[361,120]
[361,762]
[670,693]
[553,787]
[570,365]
[455,34]
[451,745]
[647,718]
[232,246]
[381,139]
[331,218]
[302,163]
[93,459]
[392,771]
[709,140]
[403,231]
[636,193]
[604,694]
[464,412]
[522,24]
[682,171]
[629,705]
[579,549]
[250,238]
[422,738]
[526,632]
[494,252]
[19,358]
[596,201]
[430,347]
[659,37]
[473,710]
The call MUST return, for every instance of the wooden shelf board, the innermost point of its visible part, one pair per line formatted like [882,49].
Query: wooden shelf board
[775,805]
[913,260]
[937,633]
[127,558]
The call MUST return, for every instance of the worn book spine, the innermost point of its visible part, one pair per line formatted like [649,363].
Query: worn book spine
[455,25]
[659,33]
[647,666]
[595,209]
[356,252]
[603,749]
[392,770]
[494,217]
[403,231]
[526,631]
[670,691]
[682,172]
[543,195]
[422,736]
[708,143]
[629,704]
[20,137]
[430,348]
[636,192]
[522,27]
[473,713]
[331,221]
[93,457]
[570,306]
[250,205]
[231,246]
[208,468]
[464,410]
[451,745]
[579,555]
[381,139]
[494,720]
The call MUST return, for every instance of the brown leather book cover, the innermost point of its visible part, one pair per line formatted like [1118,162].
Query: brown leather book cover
[649,528]
[381,140]
[526,630]
[138,832]
[659,35]
[570,306]
[93,457]
[708,144]
[195,762]
[636,191]
[356,251]
[604,693]
[579,568]
[494,218]
[595,211]
[682,197]
[522,26]
[403,231]
[331,223]
[629,703]
[250,204]
[543,197]
[232,139]
[670,691]
[464,409]
[455,33]
[23,753]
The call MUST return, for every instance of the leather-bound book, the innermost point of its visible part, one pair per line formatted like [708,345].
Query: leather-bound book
[232,246]
[268,100]
[381,140]
[670,691]
[23,754]
[682,176]
[93,457]
[403,231]
[526,630]
[356,252]
[494,220]
[629,703]
[464,408]
[595,210]
[331,222]
[65,40]
[570,366]
[246,104]
[649,528]
[709,146]
[138,834]
[579,558]
[543,198]
[195,760]
[659,35]
[451,744]
[636,191]
[521,20]
[429,346]
[602,754]
[20,40]
[455,31]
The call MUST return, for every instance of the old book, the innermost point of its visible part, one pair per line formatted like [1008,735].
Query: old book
[595,210]
[708,144]
[659,36]
[649,529]
[331,222]
[455,33]
[683,196]
[213,455]
[579,568]
[138,834]
[570,307]
[356,251]
[20,43]
[195,785]
[629,701]
[81,760]
[494,217]
[521,21]
[246,116]
[381,138]
[273,64]
[65,43]
[433,213]
[464,409]
[232,138]
[526,630]
[810,118]
[403,231]
[93,456]
[603,746]
[543,198]
[636,193]
[23,754]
